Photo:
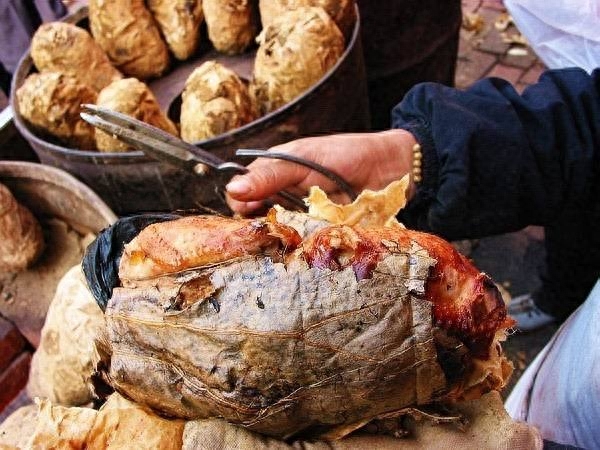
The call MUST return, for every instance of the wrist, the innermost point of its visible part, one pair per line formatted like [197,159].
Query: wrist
[404,158]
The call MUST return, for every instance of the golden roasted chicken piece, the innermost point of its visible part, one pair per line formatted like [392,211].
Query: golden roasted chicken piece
[465,301]
[198,241]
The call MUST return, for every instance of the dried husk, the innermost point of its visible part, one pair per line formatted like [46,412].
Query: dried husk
[51,103]
[60,427]
[179,22]
[343,12]
[65,48]
[214,100]
[232,24]
[129,35]
[21,237]
[132,97]
[16,429]
[62,364]
[122,424]
[296,50]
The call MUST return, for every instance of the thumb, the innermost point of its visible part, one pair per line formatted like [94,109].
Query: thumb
[264,179]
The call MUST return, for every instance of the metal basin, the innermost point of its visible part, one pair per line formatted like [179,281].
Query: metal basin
[130,182]
[70,213]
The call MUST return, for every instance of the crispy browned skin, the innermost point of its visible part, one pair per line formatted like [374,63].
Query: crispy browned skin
[466,302]
[198,241]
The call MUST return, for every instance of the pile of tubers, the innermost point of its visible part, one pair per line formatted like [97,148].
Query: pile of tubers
[133,41]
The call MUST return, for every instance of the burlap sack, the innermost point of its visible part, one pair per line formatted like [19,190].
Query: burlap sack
[121,424]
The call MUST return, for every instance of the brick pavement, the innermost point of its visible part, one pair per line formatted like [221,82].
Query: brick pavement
[484,50]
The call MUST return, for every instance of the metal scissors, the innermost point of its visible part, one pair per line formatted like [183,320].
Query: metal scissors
[165,147]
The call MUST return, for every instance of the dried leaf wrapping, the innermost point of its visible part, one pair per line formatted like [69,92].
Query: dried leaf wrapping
[295,52]
[280,342]
[370,209]
[232,24]
[180,23]
[214,100]
[132,97]
[121,422]
[129,35]
[342,12]
[16,429]
[66,48]
[51,103]
[61,427]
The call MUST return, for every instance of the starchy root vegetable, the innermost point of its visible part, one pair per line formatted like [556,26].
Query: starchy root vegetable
[66,48]
[132,97]
[293,335]
[296,50]
[51,102]
[342,12]
[179,22]
[129,35]
[21,238]
[214,100]
[232,24]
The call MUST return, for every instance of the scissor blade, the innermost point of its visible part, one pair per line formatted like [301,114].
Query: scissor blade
[154,148]
[131,129]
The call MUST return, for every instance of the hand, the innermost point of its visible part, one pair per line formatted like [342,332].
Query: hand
[364,160]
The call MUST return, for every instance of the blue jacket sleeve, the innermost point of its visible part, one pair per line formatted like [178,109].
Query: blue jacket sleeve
[495,160]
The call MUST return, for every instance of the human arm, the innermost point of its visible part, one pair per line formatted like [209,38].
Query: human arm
[364,160]
[495,161]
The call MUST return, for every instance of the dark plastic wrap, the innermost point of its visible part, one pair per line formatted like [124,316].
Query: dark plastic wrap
[101,260]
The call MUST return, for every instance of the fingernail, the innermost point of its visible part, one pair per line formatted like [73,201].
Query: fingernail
[238,186]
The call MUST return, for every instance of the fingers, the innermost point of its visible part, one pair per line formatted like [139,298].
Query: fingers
[364,160]
[244,208]
[269,176]
[265,178]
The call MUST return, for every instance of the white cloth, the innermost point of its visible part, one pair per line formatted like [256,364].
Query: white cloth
[560,391]
[563,33]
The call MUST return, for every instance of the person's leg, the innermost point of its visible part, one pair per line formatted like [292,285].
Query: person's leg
[50,9]
[406,42]
[572,266]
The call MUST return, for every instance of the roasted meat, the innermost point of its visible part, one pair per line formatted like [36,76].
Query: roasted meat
[294,335]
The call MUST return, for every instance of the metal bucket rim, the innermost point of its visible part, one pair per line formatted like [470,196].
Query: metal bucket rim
[139,156]
[41,172]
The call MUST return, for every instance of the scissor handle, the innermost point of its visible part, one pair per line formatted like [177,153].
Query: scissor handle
[338,180]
